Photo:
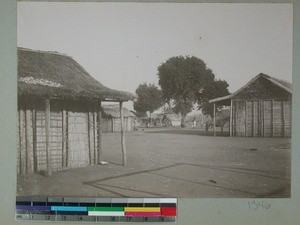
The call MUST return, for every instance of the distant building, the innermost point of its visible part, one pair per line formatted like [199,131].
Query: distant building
[171,120]
[261,108]
[112,119]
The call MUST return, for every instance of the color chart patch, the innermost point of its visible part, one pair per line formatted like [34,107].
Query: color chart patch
[96,209]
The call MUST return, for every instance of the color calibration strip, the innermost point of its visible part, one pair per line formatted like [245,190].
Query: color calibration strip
[96,209]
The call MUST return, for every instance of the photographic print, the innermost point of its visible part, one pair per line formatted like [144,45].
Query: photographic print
[180,100]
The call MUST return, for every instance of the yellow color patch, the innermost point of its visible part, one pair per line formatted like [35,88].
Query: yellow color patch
[142,209]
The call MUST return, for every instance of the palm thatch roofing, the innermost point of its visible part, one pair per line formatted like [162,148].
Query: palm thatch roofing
[114,111]
[51,75]
[282,84]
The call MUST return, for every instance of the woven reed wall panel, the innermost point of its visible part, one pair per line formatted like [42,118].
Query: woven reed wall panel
[106,125]
[78,140]
[25,142]
[288,118]
[278,119]
[240,118]
[55,140]
[130,124]
[117,124]
[267,118]
[249,130]
[256,126]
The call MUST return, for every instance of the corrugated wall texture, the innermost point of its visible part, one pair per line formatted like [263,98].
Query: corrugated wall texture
[73,136]
[261,118]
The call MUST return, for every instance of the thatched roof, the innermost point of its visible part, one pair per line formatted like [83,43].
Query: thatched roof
[114,111]
[53,75]
[284,85]
[172,116]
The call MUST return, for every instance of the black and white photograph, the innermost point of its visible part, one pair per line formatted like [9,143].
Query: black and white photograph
[154,100]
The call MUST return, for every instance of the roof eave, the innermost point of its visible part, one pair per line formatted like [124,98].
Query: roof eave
[280,85]
[220,98]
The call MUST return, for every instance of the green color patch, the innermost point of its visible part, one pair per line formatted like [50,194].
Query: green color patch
[106,209]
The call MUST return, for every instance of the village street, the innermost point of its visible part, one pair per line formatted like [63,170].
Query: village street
[175,163]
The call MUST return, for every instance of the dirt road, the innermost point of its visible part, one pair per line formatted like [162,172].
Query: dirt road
[176,163]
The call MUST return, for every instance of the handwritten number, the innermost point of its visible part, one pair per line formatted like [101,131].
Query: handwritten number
[255,205]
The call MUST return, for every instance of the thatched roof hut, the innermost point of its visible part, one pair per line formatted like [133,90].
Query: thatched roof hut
[59,113]
[54,75]
[112,119]
[171,119]
[261,108]
[113,111]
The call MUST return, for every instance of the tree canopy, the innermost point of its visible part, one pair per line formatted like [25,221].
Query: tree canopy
[148,98]
[213,90]
[185,81]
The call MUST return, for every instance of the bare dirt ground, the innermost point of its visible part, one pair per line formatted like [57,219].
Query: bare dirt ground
[175,163]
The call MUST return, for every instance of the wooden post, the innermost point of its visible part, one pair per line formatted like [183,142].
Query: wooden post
[34,147]
[214,119]
[235,118]
[47,126]
[272,119]
[253,118]
[99,134]
[263,117]
[246,118]
[283,118]
[230,124]
[123,146]
[95,135]
[91,133]
[22,142]
[64,138]
[28,142]
[259,119]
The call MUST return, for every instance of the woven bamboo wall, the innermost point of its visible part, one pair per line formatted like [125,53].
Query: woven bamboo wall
[261,118]
[55,140]
[78,139]
[239,118]
[128,125]
[267,118]
[288,118]
[107,125]
[73,136]
[114,124]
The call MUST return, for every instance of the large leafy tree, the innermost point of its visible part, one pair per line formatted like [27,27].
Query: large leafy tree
[148,98]
[215,89]
[185,81]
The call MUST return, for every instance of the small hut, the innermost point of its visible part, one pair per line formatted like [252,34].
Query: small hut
[112,119]
[157,119]
[261,108]
[59,113]
[171,120]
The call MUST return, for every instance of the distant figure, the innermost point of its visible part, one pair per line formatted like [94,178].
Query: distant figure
[194,123]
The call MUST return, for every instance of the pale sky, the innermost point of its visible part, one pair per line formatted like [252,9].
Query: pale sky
[122,44]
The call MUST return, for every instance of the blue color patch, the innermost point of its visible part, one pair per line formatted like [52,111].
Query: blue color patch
[69,208]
